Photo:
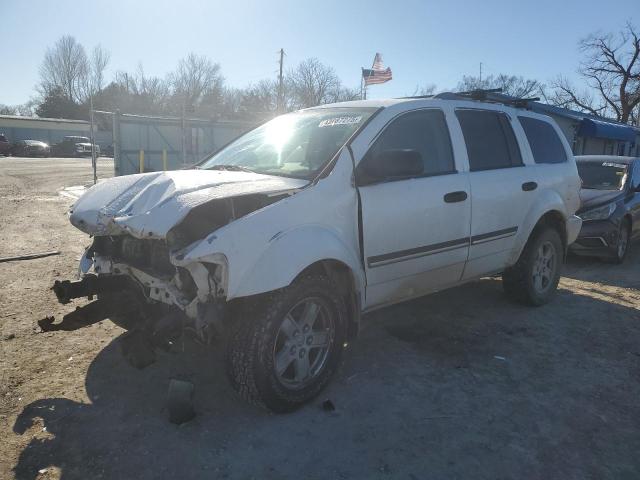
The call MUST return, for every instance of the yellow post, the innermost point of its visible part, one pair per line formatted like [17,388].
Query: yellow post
[164,159]
[141,161]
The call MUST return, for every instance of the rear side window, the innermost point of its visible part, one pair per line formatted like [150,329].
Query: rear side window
[490,140]
[543,140]
[425,131]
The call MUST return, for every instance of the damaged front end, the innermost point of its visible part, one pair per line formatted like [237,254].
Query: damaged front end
[135,266]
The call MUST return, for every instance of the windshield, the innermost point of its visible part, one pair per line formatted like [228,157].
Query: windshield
[295,145]
[602,176]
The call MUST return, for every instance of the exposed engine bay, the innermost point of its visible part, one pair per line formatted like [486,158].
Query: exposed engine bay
[130,266]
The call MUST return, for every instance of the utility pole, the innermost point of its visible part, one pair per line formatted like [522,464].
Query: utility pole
[480,74]
[94,160]
[280,106]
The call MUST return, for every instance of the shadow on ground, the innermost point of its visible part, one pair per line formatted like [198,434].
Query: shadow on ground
[462,384]
[593,269]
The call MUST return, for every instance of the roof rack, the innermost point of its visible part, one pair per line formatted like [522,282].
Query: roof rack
[493,95]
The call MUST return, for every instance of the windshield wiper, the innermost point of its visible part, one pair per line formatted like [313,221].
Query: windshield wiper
[229,168]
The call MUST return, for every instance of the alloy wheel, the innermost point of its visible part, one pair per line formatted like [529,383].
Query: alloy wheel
[544,267]
[303,342]
[623,241]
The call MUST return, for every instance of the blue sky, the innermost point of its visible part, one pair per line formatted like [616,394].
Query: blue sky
[424,42]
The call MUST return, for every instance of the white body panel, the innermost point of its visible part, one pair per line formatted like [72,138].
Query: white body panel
[267,249]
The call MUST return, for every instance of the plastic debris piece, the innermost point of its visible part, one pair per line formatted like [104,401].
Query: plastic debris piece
[180,401]
[328,406]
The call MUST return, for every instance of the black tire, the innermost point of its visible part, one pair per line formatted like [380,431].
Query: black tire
[252,344]
[518,281]
[624,235]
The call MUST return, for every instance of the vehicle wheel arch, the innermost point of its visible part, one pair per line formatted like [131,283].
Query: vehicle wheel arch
[548,211]
[345,279]
[555,220]
[289,255]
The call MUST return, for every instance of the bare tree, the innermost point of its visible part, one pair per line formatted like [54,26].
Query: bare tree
[312,83]
[65,66]
[195,80]
[8,110]
[611,68]
[424,90]
[344,94]
[513,85]
[260,98]
[98,64]
[140,93]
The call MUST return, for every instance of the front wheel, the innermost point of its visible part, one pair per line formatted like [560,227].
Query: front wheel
[533,280]
[622,242]
[287,345]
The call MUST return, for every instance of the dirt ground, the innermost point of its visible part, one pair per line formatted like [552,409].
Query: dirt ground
[462,384]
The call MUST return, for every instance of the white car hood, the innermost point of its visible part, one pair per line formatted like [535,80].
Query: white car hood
[148,205]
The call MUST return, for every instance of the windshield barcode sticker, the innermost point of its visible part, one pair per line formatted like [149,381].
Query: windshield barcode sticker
[329,122]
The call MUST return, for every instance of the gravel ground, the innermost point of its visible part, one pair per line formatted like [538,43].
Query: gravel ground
[461,384]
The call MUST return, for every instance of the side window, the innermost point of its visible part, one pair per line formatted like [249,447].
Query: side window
[424,131]
[543,140]
[490,140]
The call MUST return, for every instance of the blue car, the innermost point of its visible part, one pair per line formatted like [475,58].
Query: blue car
[610,209]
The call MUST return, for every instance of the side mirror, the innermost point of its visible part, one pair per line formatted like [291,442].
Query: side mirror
[391,164]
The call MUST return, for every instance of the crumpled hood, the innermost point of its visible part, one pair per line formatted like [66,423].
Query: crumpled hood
[590,198]
[148,205]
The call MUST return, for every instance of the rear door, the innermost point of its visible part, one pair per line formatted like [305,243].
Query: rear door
[415,230]
[552,157]
[502,188]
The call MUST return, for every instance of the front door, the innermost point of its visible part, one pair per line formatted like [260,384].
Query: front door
[416,228]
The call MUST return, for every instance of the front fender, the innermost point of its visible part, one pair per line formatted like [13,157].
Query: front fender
[289,253]
[547,201]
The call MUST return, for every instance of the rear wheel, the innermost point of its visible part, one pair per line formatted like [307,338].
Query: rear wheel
[533,280]
[287,345]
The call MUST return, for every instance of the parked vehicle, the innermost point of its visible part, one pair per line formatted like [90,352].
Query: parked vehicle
[279,241]
[74,146]
[30,148]
[5,145]
[610,208]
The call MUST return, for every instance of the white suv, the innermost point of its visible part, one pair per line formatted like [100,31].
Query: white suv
[280,240]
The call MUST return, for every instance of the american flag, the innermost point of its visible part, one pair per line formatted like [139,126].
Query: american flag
[377,73]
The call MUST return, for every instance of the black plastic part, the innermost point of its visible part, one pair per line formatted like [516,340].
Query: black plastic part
[67,290]
[453,197]
[180,401]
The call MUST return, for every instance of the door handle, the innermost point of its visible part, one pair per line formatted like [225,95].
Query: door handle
[453,197]
[528,186]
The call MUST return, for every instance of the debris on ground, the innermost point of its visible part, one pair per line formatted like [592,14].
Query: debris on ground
[29,256]
[328,406]
[180,401]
